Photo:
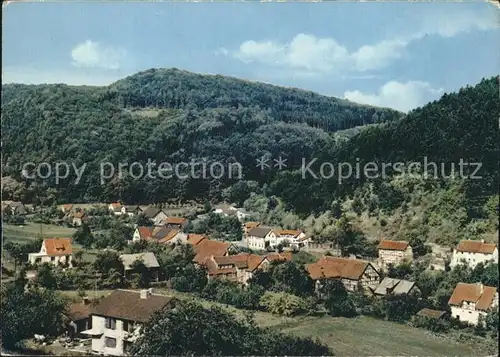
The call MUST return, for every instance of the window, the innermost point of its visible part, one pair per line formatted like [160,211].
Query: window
[52,259]
[110,342]
[110,323]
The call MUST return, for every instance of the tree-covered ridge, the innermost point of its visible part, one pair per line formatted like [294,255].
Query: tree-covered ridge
[95,124]
[181,116]
[173,88]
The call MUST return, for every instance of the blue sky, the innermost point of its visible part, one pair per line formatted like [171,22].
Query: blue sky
[400,55]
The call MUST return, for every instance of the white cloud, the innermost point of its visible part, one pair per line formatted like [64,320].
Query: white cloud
[306,52]
[95,55]
[397,95]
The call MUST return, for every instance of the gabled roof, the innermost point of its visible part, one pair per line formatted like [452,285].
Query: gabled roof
[279,256]
[474,246]
[151,212]
[394,286]
[67,207]
[128,305]
[393,245]
[219,264]
[131,208]
[116,206]
[58,246]
[207,248]
[78,311]
[287,232]
[250,225]
[148,258]
[170,235]
[175,220]
[479,294]
[333,267]
[145,232]
[260,232]
[195,239]
[162,232]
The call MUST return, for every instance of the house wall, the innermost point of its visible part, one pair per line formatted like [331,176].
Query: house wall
[472,259]
[467,314]
[159,217]
[256,242]
[136,237]
[370,278]
[37,258]
[98,342]
[395,257]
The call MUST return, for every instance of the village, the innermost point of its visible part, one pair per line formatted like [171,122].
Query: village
[111,323]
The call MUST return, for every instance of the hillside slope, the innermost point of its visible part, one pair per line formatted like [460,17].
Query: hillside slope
[167,116]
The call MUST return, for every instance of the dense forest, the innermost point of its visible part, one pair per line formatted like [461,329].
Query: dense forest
[176,116]
[167,116]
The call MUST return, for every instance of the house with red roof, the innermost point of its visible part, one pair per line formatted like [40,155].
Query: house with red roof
[240,267]
[393,252]
[471,301]
[54,251]
[355,274]
[473,252]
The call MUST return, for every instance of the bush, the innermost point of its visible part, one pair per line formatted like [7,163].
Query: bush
[285,304]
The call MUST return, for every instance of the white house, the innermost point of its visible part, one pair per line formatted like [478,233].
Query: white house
[229,210]
[142,233]
[155,214]
[294,238]
[260,237]
[130,210]
[115,208]
[472,252]
[55,251]
[470,301]
[393,252]
[117,319]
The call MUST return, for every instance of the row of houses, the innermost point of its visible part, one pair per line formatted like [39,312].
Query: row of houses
[468,252]
[260,237]
[115,322]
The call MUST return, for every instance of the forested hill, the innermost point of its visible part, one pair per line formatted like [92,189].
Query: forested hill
[459,126]
[173,88]
[167,115]
[173,116]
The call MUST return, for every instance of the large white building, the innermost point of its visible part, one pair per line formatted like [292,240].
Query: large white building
[260,237]
[470,301]
[472,252]
[291,237]
[117,319]
[53,251]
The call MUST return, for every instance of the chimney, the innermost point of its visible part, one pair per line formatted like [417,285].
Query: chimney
[481,288]
[145,294]
[85,300]
[482,240]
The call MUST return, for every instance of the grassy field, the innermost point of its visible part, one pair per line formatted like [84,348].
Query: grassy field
[31,231]
[361,336]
